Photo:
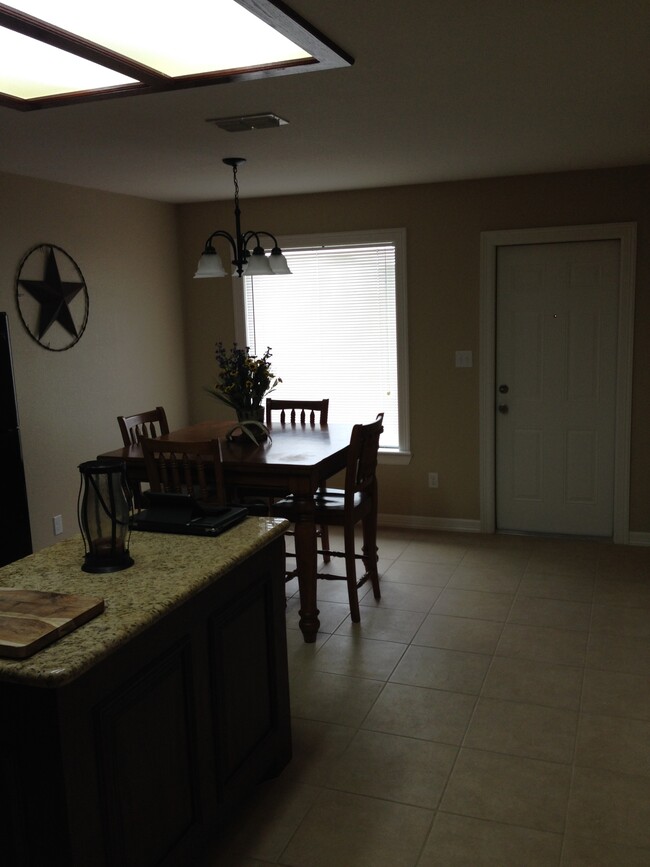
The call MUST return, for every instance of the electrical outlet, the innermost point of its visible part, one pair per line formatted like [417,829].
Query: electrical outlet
[433,480]
[57,524]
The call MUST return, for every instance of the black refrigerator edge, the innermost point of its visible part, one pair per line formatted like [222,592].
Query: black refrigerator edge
[15,534]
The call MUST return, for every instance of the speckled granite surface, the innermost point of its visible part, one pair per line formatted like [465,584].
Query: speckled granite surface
[168,569]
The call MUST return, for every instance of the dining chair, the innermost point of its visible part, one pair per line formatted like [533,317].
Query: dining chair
[299,411]
[185,468]
[152,423]
[357,501]
[302,412]
[133,428]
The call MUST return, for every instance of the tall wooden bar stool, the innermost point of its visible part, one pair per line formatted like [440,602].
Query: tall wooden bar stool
[345,508]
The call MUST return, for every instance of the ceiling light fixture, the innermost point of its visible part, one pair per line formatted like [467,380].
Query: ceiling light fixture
[251,264]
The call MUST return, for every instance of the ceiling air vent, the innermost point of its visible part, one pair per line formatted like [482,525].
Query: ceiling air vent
[248,121]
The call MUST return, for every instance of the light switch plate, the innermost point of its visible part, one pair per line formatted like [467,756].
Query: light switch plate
[464,358]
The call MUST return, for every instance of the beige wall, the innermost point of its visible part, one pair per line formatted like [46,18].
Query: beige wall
[131,356]
[443,223]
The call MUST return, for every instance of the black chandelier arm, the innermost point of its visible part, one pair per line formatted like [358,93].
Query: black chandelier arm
[220,233]
[248,235]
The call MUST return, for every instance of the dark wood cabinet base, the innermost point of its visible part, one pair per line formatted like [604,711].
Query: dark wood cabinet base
[139,761]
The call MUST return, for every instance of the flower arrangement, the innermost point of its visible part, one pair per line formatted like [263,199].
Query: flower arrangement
[244,380]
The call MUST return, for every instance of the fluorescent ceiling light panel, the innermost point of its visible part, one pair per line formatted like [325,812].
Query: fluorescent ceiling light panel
[57,52]
[186,37]
[29,68]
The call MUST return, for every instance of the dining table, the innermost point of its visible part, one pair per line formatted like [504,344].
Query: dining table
[295,459]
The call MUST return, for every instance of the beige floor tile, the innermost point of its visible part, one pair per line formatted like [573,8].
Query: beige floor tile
[557,692]
[416,712]
[473,603]
[632,593]
[549,586]
[356,656]
[337,591]
[536,682]
[558,613]
[520,729]
[610,806]
[585,852]
[459,633]
[543,643]
[479,578]
[450,670]
[394,768]
[616,694]
[319,695]
[344,829]
[460,841]
[408,597]
[385,624]
[392,543]
[315,746]
[618,620]
[614,744]
[623,653]
[424,574]
[268,821]
[565,559]
[508,560]
[529,792]
[431,551]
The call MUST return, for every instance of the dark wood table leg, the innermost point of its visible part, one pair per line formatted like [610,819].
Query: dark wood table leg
[307,566]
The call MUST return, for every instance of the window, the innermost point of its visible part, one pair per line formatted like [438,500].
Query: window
[337,327]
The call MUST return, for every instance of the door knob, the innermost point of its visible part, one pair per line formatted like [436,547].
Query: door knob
[503,389]
[503,408]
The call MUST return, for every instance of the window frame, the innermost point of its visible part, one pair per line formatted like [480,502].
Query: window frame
[402,454]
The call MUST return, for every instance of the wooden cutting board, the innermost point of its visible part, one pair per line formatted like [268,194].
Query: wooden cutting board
[32,619]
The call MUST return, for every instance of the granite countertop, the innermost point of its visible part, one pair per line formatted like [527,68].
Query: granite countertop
[168,569]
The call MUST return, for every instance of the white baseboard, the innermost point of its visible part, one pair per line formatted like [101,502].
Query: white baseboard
[461,525]
[418,522]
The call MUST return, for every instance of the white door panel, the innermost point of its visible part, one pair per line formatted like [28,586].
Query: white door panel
[556,329]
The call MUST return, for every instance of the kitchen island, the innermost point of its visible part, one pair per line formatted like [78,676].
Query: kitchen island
[132,739]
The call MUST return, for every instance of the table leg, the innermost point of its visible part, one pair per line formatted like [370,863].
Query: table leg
[307,566]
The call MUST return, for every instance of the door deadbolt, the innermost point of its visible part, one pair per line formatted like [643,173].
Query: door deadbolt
[503,408]
[503,389]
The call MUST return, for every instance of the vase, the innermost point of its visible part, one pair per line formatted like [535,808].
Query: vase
[254,413]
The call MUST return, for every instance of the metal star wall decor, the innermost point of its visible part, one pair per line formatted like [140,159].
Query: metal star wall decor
[52,297]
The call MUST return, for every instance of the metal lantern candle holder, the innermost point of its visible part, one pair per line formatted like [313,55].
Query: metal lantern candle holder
[104,509]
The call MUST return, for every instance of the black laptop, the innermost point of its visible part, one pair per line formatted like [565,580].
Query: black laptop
[181,513]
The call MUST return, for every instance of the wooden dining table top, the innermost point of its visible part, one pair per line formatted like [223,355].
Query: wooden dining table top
[291,449]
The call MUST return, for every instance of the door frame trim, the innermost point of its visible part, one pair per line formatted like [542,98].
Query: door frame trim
[625,234]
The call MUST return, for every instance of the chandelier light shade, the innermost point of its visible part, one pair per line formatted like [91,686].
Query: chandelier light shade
[251,263]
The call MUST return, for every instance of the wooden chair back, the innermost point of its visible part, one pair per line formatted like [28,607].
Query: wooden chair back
[145,424]
[361,469]
[298,411]
[185,468]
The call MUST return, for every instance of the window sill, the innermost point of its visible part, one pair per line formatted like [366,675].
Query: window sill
[394,457]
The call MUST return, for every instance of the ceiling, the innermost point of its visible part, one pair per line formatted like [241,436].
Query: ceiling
[440,90]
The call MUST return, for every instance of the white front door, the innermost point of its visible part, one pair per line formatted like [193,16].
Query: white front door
[556,376]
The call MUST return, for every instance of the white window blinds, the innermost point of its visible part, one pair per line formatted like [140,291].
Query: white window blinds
[332,329]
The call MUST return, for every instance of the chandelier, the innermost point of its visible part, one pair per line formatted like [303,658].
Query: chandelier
[249,263]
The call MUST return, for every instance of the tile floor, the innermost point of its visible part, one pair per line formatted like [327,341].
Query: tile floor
[492,709]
